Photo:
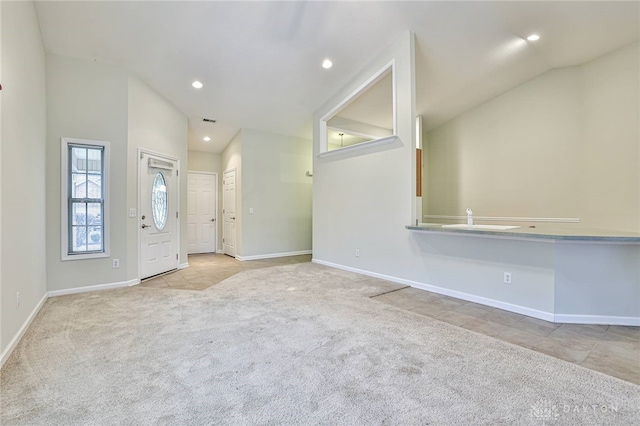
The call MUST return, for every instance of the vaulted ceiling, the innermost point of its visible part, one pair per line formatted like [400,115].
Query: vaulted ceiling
[260,62]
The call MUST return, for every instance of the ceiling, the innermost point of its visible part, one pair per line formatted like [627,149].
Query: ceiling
[260,62]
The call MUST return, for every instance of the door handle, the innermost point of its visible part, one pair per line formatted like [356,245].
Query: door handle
[232,218]
[213,220]
[145,226]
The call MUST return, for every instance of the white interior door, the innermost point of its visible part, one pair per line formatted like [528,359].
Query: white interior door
[201,212]
[229,213]
[158,215]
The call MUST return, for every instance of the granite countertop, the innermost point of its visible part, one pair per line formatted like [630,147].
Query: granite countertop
[539,232]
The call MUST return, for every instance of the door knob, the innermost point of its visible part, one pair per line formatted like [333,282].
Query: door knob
[213,220]
[145,226]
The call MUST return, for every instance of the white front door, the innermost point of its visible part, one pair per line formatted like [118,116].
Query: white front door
[158,215]
[229,213]
[201,212]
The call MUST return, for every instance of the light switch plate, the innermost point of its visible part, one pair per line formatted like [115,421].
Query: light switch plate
[132,212]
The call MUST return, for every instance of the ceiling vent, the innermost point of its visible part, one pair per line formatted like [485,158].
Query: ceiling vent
[208,120]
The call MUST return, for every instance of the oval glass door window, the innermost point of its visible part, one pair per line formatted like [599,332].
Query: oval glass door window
[159,204]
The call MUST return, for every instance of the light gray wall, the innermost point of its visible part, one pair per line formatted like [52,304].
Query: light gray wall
[270,178]
[22,167]
[274,184]
[607,274]
[564,144]
[205,162]
[86,100]
[211,163]
[156,125]
[609,152]
[95,101]
[363,201]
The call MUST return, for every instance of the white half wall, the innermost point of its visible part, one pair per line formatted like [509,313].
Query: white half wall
[608,274]
[22,167]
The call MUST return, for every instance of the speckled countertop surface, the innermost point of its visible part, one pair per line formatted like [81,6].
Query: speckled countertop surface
[539,232]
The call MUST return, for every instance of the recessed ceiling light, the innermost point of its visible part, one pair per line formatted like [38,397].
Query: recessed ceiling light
[206,139]
[533,37]
[197,84]
[326,64]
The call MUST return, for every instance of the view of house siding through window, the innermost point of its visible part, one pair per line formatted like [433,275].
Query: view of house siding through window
[86,199]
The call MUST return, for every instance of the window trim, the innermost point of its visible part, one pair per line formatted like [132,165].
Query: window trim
[64,199]
[351,97]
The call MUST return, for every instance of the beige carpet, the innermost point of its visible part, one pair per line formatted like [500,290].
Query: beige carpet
[296,344]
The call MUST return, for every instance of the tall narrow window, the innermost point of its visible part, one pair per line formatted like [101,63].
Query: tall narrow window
[85,209]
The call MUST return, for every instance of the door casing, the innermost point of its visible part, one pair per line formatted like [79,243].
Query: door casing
[141,153]
[215,207]
[225,235]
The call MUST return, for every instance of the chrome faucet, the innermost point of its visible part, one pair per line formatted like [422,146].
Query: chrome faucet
[469,218]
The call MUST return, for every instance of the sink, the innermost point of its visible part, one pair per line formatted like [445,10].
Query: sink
[485,227]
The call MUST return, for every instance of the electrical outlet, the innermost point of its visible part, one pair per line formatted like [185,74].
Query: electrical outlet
[17,300]
[357,252]
[116,263]
[507,277]
[250,210]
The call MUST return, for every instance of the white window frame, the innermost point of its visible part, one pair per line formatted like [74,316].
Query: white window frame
[64,197]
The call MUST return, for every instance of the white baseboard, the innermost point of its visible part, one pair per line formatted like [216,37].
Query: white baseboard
[97,287]
[273,255]
[518,309]
[547,316]
[220,251]
[183,265]
[14,342]
[597,319]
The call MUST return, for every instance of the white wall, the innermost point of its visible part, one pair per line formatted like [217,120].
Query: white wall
[274,184]
[564,144]
[156,125]
[364,201]
[209,162]
[22,167]
[86,100]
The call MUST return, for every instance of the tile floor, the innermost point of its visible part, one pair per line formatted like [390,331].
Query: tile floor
[206,270]
[613,350]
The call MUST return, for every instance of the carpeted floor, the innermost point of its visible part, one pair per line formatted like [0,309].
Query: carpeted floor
[295,344]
